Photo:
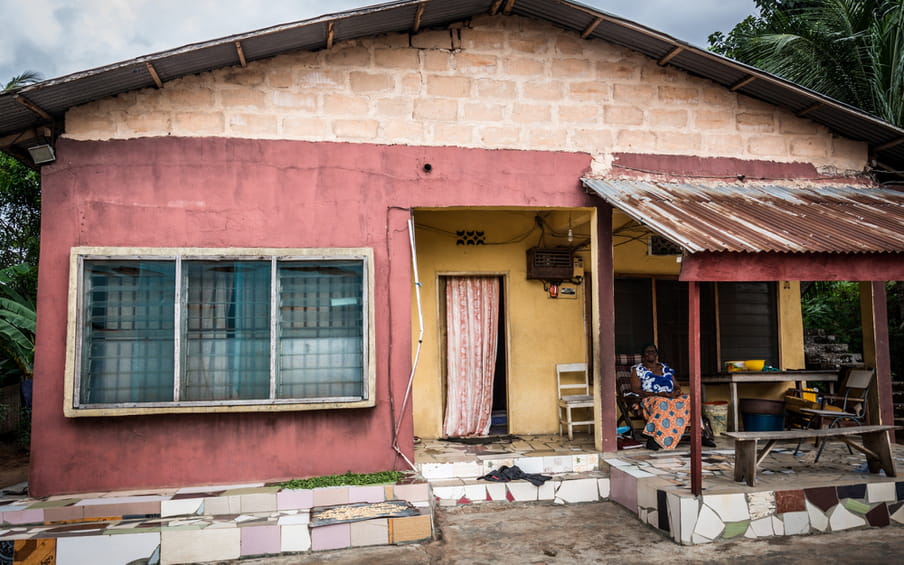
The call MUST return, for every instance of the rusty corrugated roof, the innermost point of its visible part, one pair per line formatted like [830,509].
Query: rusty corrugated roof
[763,218]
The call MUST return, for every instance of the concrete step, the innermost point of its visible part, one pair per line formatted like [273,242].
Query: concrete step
[575,477]
[566,488]
[472,468]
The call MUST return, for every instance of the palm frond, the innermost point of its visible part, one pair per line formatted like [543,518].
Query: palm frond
[23,79]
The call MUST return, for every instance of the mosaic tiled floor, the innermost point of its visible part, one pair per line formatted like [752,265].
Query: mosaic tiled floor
[781,466]
[793,495]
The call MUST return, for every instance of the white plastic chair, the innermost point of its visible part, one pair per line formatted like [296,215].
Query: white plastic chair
[574,393]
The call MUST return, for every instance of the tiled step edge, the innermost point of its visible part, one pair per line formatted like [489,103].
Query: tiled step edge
[240,523]
[204,539]
[582,462]
[562,489]
[201,502]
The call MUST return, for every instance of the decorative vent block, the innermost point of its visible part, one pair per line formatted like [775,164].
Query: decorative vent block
[661,246]
[470,237]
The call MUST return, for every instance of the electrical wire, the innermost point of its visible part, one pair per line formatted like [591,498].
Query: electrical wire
[514,239]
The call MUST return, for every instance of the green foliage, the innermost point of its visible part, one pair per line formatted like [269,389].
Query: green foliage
[24,79]
[20,222]
[18,317]
[834,306]
[346,479]
[850,50]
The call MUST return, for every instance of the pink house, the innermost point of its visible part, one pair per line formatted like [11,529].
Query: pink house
[227,291]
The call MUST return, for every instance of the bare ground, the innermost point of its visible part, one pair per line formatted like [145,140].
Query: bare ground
[13,463]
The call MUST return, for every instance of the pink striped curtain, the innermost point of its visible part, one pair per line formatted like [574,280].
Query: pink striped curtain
[472,320]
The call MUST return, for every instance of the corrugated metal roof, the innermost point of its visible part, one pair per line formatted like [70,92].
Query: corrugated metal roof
[53,97]
[763,218]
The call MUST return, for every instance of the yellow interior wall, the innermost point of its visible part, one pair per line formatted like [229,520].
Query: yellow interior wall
[630,255]
[540,331]
[790,326]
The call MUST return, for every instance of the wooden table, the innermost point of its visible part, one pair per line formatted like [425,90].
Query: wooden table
[875,446]
[734,378]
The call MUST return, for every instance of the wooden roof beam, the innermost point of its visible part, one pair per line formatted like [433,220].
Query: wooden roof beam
[33,107]
[670,55]
[809,109]
[889,145]
[330,34]
[589,29]
[741,84]
[153,72]
[417,19]
[509,4]
[241,53]
[494,9]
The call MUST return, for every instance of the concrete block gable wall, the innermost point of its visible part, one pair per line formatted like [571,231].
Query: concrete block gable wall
[496,82]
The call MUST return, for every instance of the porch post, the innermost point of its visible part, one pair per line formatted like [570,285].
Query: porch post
[604,363]
[881,347]
[693,343]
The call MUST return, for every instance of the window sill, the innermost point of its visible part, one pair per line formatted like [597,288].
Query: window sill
[138,410]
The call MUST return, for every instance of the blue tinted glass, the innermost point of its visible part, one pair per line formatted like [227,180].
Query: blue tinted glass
[127,328]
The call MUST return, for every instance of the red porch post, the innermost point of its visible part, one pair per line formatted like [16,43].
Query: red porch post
[883,356]
[693,343]
[605,344]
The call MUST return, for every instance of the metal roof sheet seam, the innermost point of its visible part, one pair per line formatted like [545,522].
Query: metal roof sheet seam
[762,218]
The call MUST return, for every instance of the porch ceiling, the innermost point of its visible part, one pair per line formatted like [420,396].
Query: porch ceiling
[742,218]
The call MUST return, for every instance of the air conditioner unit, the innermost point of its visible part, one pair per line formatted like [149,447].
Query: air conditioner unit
[551,264]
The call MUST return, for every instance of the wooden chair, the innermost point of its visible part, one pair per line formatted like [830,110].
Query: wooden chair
[573,385]
[628,402]
[630,411]
[849,406]
[853,397]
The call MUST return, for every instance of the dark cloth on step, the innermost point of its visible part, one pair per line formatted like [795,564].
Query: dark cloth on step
[505,474]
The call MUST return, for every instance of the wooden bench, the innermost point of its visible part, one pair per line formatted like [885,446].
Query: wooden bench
[875,445]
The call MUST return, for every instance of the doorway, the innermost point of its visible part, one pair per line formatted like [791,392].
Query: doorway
[475,364]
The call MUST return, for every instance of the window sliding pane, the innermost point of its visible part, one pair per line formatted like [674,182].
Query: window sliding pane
[321,329]
[127,328]
[227,336]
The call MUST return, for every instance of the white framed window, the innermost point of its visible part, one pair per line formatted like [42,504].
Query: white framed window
[198,330]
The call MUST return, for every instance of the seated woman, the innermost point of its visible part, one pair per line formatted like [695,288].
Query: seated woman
[666,409]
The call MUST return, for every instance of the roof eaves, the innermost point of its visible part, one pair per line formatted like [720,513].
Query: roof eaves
[57,95]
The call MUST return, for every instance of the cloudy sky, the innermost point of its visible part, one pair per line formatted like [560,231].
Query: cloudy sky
[59,37]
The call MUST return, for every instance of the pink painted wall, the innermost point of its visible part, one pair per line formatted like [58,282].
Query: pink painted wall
[199,192]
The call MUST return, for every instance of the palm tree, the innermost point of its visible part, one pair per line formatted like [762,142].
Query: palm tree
[24,79]
[850,50]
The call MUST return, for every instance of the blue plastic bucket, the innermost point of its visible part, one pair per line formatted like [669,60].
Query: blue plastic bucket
[763,422]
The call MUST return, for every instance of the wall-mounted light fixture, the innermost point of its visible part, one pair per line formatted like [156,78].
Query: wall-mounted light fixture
[41,151]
